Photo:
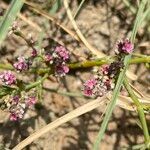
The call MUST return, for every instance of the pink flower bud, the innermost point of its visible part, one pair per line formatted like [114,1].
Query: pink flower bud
[105,69]
[13,117]
[15,99]
[48,57]
[90,83]
[125,46]
[61,70]
[34,53]
[30,101]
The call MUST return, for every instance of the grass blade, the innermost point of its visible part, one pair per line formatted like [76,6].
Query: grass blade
[9,17]
[79,9]
[55,7]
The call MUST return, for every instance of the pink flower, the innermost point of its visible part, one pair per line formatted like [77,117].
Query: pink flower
[125,46]
[34,53]
[58,58]
[97,86]
[13,117]
[61,70]
[15,99]
[48,57]
[89,86]
[88,92]
[30,101]
[21,64]
[62,52]
[17,111]
[8,77]
[105,69]
[90,83]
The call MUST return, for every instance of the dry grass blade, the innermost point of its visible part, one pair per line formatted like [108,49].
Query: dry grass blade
[90,47]
[126,102]
[46,15]
[137,92]
[31,23]
[73,114]
[131,75]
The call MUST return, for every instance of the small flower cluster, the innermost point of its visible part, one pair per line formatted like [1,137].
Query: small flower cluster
[99,85]
[18,105]
[106,76]
[58,58]
[22,64]
[124,46]
[8,77]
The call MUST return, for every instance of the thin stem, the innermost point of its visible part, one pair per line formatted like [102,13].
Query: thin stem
[78,10]
[99,62]
[139,109]
[29,42]
[34,84]
[68,94]
[89,63]
[84,64]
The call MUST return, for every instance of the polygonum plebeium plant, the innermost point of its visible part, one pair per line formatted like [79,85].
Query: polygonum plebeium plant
[18,99]
[15,96]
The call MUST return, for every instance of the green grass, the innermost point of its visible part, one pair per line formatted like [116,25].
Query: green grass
[9,18]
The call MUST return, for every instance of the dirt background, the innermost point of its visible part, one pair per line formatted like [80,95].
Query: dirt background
[102,23]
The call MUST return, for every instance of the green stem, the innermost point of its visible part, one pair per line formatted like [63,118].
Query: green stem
[99,62]
[89,63]
[68,94]
[84,64]
[20,34]
[139,109]
[34,84]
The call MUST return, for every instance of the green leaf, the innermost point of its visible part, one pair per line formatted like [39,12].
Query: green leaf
[55,7]
[79,9]
[4,90]
[9,17]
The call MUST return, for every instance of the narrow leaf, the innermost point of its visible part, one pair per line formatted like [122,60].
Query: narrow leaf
[9,17]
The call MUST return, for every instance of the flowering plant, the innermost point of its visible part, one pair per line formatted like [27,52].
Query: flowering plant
[108,81]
